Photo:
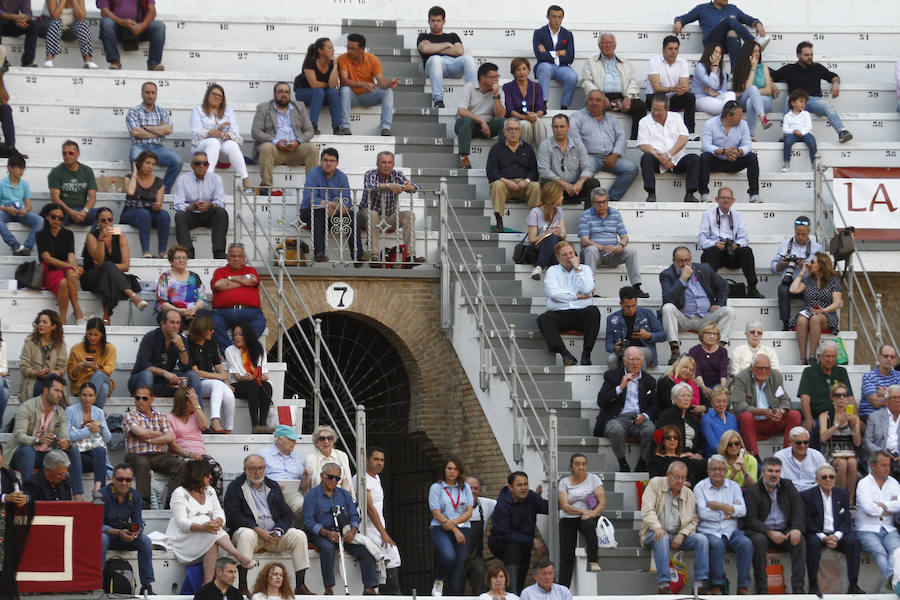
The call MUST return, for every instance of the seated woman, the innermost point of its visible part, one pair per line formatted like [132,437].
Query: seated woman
[669,448]
[687,419]
[89,434]
[717,421]
[43,353]
[743,354]
[214,130]
[682,371]
[581,502]
[317,84]
[56,249]
[324,439]
[188,422]
[753,86]
[546,226]
[179,289]
[93,359]
[710,82]
[106,262]
[272,583]
[196,528]
[67,20]
[711,359]
[840,431]
[247,363]
[821,290]
[214,379]
[144,208]
[743,467]
[524,100]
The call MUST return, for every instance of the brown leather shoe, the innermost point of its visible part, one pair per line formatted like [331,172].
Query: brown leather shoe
[742,591]
[329,591]
[370,592]
[715,590]
[302,590]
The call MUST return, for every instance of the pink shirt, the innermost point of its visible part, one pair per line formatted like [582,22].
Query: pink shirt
[188,435]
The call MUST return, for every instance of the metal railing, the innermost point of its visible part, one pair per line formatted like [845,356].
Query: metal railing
[864,305]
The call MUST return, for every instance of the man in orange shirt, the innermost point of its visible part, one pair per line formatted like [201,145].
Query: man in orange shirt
[363,83]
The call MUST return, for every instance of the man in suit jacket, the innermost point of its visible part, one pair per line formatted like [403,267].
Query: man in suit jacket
[627,402]
[775,416]
[779,526]
[554,48]
[693,294]
[282,131]
[828,525]
[879,425]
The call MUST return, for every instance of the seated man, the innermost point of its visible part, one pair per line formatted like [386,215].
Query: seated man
[123,524]
[883,429]
[693,294]
[605,141]
[282,132]
[775,519]
[543,587]
[569,287]
[163,362]
[221,587]
[791,255]
[147,438]
[799,462]
[662,137]
[199,201]
[670,75]
[876,382]
[554,48]
[380,211]
[565,160]
[16,21]
[131,21]
[762,406]
[723,24]
[513,527]
[878,504]
[720,503]
[480,112]
[235,296]
[512,171]
[324,504]
[363,83]
[51,482]
[614,76]
[258,518]
[149,124]
[727,148]
[329,199]
[285,463]
[725,242]
[443,55]
[15,205]
[74,187]
[669,520]
[632,327]
[627,401]
[604,239]
[815,386]
[828,526]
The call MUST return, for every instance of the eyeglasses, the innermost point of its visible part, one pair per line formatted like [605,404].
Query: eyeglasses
[260,468]
[755,332]
[801,442]
[142,398]
[828,476]
[326,438]
[670,437]
[124,479]
[334,478]
[735,443]
[55,217]
[840,395]
[200,163]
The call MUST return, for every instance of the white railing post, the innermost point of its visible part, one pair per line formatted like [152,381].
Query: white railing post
[280,328]
[361,445]
[484,379]
[317,375]
[238,198]
[446,306]
[879,335]
[514,396]
[553,486]
[819,199]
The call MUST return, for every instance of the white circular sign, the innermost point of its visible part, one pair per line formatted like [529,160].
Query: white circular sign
[339,295]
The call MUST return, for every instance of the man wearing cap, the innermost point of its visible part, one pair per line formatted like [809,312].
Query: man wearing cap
[791,255]
[284,464]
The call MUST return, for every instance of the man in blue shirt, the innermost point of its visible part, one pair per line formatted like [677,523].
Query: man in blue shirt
[876,382]
[15,205]
[723,24]
[604,240]
[727,148]
[285,463]
[326,197]
[321,503]
[122,524]
[569,287]
[720,225]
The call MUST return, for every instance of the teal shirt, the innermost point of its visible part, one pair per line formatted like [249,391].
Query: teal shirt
[14,195]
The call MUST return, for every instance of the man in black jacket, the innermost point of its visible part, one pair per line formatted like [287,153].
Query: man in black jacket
[778,524]
[693,294]
[512,527]
[52,482]
[627,402]
[254,529]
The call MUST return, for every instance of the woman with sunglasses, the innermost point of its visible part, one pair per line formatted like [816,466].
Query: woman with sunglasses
[107,258]
[214,379]
[324,438]
[840,431]
[743,354]
[450,501]
[89,433]
[248,365]
[56,249]
[669,448]
[688,424]
[524,100]
[144,209]
[821,290]
[743,467]
[93,359]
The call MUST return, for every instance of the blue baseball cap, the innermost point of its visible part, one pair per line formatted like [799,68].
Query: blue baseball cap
[286,431]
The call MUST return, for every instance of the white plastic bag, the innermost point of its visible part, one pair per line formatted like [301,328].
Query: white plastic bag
[606,533]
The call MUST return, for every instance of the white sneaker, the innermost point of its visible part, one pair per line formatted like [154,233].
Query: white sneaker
[704,197]
[90,65]
[48,64]
[594,567]
[755,199]
[536,273]
[763,41]
[438,588]
[786,167]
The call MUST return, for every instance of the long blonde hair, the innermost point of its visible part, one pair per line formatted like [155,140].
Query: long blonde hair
[550,191]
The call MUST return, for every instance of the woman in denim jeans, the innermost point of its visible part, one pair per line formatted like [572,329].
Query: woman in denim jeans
[450,501]
[318,82]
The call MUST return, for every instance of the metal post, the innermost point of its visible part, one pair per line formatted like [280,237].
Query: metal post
[238,198]
[879,336]
[280,328]
[819,198]
[361,467]
[514,396]
[484,375]
[318,373]
[553,486]
[851,297]
[446,306]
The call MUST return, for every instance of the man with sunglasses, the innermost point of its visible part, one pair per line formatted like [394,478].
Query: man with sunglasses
[199,201]
[123,524]
[791,255]
[727,148]
[73,187]
[828,526]
[799,462]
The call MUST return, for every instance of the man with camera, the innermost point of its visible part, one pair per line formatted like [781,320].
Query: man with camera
[724,240]
[791,255]
[122,524]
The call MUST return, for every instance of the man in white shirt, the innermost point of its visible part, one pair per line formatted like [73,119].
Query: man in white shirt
[720,504]
[475,566]
[799,462]
[877,504]
[662,136]
[670,75]
[883,429]
[725,242]
[569,287]
[376,525]
[199,201]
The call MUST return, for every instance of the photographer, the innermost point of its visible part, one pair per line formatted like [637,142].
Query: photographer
[723,238]
[122,523]
[791,255]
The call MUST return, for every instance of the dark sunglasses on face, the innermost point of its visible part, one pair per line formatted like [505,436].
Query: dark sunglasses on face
[326,438]
[142,398]
[841,395]
[670,437]
[730,444]
[801,442]
[123,479]
[334,478]
[827,476]
[54,217]
[200,163]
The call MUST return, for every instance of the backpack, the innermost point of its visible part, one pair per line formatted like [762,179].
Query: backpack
[30,275]
[118,578]
[841,245]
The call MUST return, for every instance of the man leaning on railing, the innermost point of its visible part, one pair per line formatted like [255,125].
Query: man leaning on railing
[328,192]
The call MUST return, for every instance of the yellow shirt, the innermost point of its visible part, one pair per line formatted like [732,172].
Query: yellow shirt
[105,362]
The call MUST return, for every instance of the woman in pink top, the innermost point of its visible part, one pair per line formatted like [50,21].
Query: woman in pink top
[188,422]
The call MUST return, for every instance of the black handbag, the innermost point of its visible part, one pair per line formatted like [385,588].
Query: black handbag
[736,290]
[525,253]
[30,275]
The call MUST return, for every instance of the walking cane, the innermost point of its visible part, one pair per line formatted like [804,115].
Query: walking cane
[335,511]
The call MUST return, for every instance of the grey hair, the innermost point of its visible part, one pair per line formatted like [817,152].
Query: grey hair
[56,459]
[798,430]
[234,245]
[598,192]
[510,120]
[893,388]
[251,455]
[824,467]
[716,458]
[330,466]
[676,389]
[383,153]
[826,345]
[676,464]
[751,324]
[757,356]
[605,34]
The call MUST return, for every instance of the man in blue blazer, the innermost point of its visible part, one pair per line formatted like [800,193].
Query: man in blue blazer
[692,295]
[554,48]
[828,526]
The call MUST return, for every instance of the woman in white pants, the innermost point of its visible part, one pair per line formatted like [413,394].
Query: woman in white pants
[214,130]
[213,376]
[710,82]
